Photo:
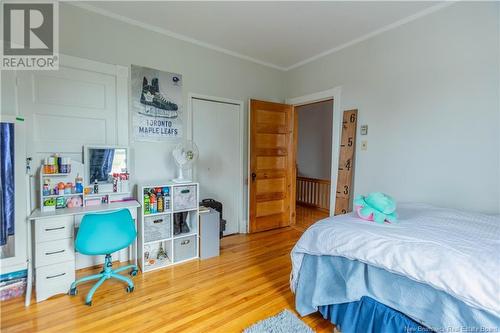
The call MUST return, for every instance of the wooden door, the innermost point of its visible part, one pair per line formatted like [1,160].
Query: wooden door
[272,165]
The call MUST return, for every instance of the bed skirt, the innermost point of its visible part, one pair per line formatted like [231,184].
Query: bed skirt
[368,315]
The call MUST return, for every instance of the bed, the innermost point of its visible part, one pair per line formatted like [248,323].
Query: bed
[436,270]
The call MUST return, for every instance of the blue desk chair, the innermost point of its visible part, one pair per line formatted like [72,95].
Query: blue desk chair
[103,234]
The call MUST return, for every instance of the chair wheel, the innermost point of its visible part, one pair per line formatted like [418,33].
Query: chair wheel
[133,272]
[73,291]
[130,289]
[88,303]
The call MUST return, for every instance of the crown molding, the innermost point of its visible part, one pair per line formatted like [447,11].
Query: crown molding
[374,33]
[194,41]
[172,34]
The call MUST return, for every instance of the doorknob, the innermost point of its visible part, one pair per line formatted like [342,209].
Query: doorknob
[253,176]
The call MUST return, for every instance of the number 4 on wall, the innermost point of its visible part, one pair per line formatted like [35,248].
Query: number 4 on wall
[344,177]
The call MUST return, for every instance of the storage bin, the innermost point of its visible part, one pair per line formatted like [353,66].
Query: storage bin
[157,227]
[12,285]
[185,197]
[185,248]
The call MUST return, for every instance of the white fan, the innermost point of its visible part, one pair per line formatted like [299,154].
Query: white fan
[185,155]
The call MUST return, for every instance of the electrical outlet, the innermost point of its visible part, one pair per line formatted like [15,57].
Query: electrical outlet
[364,145]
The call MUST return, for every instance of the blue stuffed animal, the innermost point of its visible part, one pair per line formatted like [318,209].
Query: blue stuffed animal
[376,206]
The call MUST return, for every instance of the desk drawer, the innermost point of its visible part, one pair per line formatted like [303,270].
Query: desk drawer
[48,253]
[54,228]
[54,279]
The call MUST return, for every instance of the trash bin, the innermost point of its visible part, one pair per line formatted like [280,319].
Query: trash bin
[209,233]
[217,205]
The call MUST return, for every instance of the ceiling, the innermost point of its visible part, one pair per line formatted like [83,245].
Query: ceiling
[282,35]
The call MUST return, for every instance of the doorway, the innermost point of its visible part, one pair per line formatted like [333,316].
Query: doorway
[314,161]
[272,159]
[217,129]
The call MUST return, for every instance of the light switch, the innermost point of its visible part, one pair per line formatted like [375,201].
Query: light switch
[364,145]
[364,129]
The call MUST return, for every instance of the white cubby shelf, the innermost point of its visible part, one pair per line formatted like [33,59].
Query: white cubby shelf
[157,235]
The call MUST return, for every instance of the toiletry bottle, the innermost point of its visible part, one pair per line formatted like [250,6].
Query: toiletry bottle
[160,200]
[68,164]
[96,186]
[46,189]
[46,167]
[56,163]
[147,206]
[78,184]
[50,165]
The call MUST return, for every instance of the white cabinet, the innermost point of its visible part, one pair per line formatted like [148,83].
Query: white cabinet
[54,256]
[168,231]
[53,245]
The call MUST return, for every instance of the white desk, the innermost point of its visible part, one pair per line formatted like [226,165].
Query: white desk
[51,243]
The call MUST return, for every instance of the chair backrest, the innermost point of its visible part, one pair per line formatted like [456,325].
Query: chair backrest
[105,233]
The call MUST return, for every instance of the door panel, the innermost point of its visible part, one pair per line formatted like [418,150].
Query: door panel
[272,166]
[216,133]
[68,108]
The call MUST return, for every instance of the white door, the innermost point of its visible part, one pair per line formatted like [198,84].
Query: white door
[82,103]
[68,108]
[216,132]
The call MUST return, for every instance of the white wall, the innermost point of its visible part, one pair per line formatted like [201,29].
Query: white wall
[8,104]
[314,142]
[429,91]
[89,35]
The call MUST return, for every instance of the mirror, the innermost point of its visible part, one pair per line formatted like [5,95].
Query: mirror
[102,162]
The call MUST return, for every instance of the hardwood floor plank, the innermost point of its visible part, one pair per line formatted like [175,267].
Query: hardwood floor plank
[247,283]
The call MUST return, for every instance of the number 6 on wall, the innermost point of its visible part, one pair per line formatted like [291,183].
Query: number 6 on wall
[346,164]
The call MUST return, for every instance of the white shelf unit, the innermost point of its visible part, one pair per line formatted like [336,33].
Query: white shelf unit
[158,228]
[76,170]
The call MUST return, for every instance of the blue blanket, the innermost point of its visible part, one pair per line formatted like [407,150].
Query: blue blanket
[330,280]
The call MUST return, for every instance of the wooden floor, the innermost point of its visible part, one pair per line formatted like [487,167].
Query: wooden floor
[247,283]
[305,216]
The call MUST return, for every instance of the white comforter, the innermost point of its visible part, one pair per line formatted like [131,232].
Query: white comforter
[450,250]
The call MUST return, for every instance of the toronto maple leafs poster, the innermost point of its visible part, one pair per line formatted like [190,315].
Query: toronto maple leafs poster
[156,102]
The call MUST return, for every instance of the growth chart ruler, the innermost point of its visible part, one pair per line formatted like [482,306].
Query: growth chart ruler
[346,162]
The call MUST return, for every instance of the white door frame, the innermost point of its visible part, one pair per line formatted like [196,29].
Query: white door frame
[242,223]
[334,94]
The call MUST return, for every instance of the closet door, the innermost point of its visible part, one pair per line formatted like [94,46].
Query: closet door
[216,132]
[13,195]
